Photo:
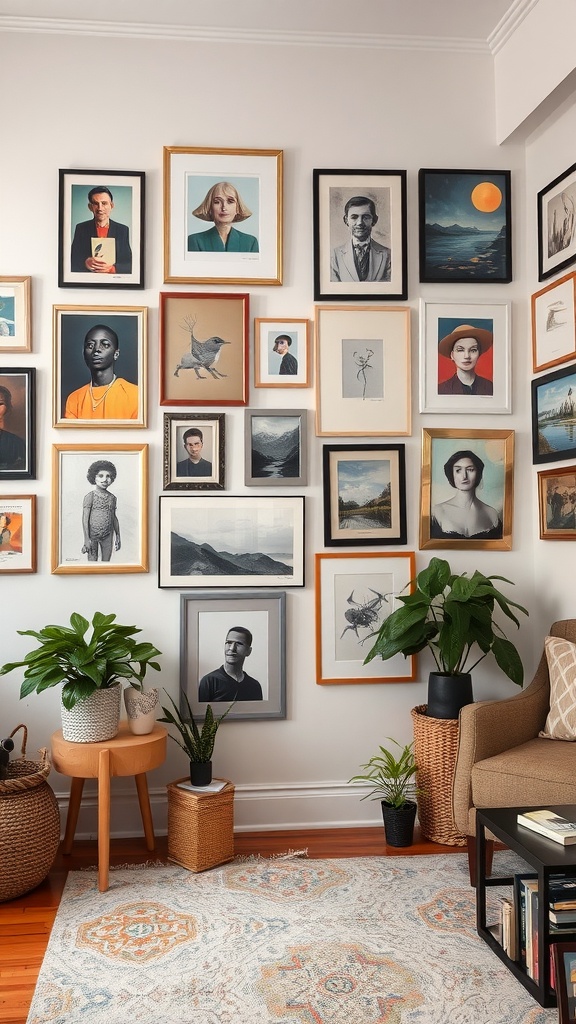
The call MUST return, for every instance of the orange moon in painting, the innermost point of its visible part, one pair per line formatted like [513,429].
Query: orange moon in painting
[486,197]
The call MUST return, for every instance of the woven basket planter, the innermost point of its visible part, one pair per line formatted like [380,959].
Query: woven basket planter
[435,747]
[29,824]
[94,719]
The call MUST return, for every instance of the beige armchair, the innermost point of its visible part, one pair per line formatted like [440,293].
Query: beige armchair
[502,762]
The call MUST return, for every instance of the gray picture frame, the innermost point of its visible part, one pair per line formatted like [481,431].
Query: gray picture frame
[275,447]
[205,618]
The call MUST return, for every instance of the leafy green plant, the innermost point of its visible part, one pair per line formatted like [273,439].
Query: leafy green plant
[197,744]
[391,778]
[84,664]
[451,615]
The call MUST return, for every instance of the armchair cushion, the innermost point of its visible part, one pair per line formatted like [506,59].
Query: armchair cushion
[561,719]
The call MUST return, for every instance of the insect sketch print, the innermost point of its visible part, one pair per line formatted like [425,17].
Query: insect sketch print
[202,355]
[363,614]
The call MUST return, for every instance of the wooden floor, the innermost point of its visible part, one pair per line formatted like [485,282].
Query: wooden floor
[25,923]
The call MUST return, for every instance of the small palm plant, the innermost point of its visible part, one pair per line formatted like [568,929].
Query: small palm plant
[391,778]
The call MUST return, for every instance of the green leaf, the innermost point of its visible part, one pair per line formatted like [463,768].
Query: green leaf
[79,624]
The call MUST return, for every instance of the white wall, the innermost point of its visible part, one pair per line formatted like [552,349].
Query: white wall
[78,102]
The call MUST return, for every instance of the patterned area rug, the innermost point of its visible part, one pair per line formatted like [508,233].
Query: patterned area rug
[388,940]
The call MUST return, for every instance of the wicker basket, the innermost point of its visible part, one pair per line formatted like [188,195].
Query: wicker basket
[29,823]
[200,827]
[435,747]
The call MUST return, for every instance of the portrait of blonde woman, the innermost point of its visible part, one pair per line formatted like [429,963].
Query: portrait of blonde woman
[224,208]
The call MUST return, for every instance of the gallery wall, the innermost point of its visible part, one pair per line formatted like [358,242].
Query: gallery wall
[108,102]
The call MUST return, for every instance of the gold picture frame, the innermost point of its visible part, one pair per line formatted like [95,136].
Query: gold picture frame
[277,365]
[557,503]
[80,542]
[17,533]
[482,457]
[15,314]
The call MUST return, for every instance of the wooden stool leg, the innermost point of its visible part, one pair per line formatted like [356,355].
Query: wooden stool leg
[145,809]
[76,787]
[103,819]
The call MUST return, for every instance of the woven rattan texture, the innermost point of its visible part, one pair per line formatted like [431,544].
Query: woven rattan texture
[200,827]
[435,746]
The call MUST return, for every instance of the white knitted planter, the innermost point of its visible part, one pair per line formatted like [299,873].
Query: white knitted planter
[94,719]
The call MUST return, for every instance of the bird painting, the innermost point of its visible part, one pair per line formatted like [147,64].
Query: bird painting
[202,354]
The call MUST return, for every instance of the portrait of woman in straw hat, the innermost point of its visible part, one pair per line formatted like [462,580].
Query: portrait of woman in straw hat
[464,346]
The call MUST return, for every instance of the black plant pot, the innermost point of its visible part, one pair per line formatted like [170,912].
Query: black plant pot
[447,694]
[399,823]
[200,773]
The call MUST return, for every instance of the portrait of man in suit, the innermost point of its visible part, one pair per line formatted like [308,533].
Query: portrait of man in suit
[101,245]
[360,258]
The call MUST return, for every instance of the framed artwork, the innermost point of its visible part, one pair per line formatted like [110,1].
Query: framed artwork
[465,364]
[465,226]
[203,349]
[275,447]
[17,423]
[364,494]
[362,371]
[193,451]
[553,413]
[17,533]
[359,235]
[101,229]
[564,965]
[99,508]
[222,215]
[15,314]
[281,353]
[354,595]
[456,464]
[557,224]
[231,541]
[100,369]
[554,324]
[557,503]
[223,637]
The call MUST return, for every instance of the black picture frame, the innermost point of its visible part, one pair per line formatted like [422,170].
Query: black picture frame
[206,616]
[213,430]
[552,423]
[557,224]
[456,206]
[366,471]
[564,963]
[18,448]
[335,275]
[75,235]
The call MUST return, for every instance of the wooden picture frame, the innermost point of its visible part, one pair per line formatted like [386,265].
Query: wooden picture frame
[85,259]
[203,348]
[553,311]
[78,546]
[564,965]
[17,533]
[281,352]
[275,447]
[556,206]
[184,463]
[465,221]
[231,541]
[193,251]
[363,379]
[455,463]
[17,423]
[355,205]
[553,409]
[557,503]
[364,494]
[15,314]
[450,355]
[206,617]
[354,593]
[90,341]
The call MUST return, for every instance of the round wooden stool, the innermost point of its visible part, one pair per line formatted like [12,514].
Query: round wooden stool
[125,754]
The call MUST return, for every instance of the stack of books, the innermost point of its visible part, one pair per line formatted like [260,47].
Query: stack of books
[519,918]
[549,824]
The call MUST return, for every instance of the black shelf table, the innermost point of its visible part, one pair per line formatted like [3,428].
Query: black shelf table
[547,858]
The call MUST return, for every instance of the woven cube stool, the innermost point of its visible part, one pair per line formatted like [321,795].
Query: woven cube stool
[200,826]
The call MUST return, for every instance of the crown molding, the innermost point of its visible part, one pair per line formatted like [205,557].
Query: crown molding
[515,15]
[189,33]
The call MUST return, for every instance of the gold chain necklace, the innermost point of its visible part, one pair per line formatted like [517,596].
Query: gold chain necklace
[97,402]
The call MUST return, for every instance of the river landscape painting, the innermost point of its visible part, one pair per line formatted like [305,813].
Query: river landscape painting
[275,447]
[364,494]
[554,416]
[465,226]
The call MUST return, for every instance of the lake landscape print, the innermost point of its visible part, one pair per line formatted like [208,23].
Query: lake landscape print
[554,416]
[364,495]
[465,226]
